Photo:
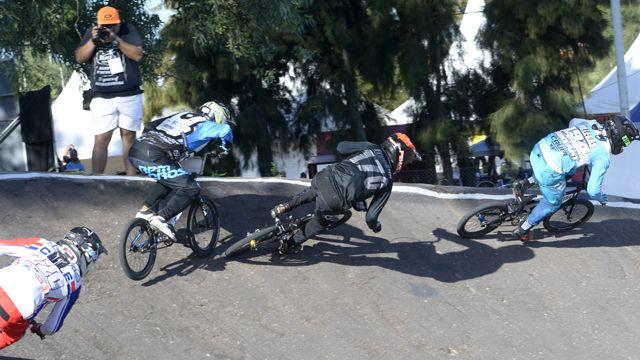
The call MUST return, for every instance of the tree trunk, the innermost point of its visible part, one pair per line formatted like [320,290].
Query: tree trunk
[445,157]
[350,87]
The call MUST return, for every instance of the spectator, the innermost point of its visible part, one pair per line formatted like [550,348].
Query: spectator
[115,49]
[70,161]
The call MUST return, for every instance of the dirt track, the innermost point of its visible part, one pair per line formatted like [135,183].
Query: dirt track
[414,291]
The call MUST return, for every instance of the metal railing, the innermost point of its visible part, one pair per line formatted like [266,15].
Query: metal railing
[10,128]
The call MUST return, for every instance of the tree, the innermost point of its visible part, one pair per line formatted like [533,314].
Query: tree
[236,56]
[525,39]
[47,29]
[422,49]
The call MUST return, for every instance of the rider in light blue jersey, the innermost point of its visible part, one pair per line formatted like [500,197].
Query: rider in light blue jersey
[559,154]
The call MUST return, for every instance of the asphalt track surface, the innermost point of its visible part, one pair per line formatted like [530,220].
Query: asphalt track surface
[414,291]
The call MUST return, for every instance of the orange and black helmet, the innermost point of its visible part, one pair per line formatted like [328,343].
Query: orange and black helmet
[400,151]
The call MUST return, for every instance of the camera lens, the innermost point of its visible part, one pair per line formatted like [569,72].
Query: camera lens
[103,34]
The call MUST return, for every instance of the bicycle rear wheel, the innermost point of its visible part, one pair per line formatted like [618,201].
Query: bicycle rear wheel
[570,215]
[252,241]
[203,223]
[482,220]
[137,249]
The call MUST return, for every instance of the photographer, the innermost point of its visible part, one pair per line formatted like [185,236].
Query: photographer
[70,161]
[115,50]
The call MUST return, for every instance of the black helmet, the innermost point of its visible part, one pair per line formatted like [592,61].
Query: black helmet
[621,132]
[400,151]
[85,245]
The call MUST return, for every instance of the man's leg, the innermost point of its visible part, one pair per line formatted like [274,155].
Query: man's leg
[306,196]
[327,203]
[128,137]
[183,190]
[550,203]
[104,118]
[129,121]
[100,152]
[158,192]
[552,186]
[12,325]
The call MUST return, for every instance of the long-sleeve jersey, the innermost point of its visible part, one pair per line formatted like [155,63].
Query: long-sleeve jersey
[39,276]
[566,150]
[185,132]
[366,172]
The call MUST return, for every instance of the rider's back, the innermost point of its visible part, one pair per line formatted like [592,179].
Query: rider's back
[170,133]
[566,150]
[364,173]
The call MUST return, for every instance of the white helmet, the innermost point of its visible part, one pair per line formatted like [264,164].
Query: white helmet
[216,112]
[84,245]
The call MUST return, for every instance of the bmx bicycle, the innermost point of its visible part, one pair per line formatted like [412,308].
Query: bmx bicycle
[282,230]
[140,242]
[485,218]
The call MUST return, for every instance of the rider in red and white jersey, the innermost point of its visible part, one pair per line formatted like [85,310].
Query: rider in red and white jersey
[45,272]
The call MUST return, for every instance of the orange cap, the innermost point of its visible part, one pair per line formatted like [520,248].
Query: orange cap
[108,15]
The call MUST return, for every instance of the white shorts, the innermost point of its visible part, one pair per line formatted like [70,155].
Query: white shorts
[123,112]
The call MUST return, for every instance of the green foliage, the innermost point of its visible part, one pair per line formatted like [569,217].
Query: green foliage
[37,70]
[630,27]
[45,29]
[525,39]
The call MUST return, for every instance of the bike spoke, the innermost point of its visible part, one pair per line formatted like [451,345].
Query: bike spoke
[138,254]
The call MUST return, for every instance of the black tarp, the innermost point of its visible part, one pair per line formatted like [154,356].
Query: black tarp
[37,128]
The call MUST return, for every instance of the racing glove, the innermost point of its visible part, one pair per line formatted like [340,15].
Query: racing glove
[35,328]
[377,227]
[604,199]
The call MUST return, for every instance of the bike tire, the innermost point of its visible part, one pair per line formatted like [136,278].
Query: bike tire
[493,208]
[212,220]
[554,222]
[261,237]
[125,249]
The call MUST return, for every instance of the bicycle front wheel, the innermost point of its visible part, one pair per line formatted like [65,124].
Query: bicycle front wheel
[570,215]
[203,224]
[482,220]
[252,241]
[137,250]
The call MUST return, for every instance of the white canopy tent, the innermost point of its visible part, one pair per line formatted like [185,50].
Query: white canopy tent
[72,125]
[621,178]
[603,98]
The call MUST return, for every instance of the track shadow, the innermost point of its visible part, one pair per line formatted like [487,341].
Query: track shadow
[184,267]
[605,233]
[238,214]
[412,256]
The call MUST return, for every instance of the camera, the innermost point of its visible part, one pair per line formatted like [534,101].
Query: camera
[103,34]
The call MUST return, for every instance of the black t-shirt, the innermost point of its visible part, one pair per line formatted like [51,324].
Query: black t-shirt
[110,80]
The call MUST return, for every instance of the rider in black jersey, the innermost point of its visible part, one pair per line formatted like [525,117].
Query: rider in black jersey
[366,172]
[163,144]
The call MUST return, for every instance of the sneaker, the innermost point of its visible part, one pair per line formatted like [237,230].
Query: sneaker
[145,215]
[522,235]
[160,224]
[279,210]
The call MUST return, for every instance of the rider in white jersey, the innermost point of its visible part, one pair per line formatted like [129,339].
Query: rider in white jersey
[45,272]
[560,153]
